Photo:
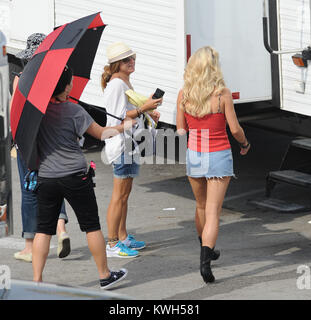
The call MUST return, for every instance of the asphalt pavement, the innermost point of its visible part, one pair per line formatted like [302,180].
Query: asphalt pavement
[262,251]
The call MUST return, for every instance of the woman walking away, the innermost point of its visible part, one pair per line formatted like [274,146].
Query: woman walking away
[63,174]
[115,82]
[204,105]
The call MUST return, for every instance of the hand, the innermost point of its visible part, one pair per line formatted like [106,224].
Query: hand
[244,151]
[128,123]
[155,115]
[151,104]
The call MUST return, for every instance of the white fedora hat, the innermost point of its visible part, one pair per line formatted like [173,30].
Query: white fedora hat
[118,51]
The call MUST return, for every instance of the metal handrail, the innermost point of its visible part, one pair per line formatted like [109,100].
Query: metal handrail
[266,37]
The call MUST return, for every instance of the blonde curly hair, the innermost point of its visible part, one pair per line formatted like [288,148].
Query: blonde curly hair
[202,79]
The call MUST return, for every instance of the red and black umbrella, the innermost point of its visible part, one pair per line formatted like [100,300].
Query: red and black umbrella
[74,44]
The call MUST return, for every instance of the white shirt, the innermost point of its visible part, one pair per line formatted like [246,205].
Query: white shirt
[116,102]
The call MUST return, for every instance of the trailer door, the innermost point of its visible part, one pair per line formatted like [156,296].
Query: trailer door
[294,32]
[234,29]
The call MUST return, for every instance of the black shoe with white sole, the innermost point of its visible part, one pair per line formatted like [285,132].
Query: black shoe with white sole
[115,277]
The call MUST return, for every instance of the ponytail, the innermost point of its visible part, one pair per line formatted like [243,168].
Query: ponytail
[109,70]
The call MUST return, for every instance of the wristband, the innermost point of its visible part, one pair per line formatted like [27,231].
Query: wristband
[139,112]
[244,146]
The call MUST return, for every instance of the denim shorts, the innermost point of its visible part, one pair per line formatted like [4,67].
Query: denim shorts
[126,166]
[217,164]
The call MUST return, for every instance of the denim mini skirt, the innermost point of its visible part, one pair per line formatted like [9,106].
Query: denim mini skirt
[126,166]
[217,164]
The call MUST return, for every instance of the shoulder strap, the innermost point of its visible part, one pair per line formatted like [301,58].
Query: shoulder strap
[219,110]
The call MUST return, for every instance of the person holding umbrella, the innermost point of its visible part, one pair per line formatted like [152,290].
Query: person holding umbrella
[65,45]
[29,200]
[62,173]
[115,83]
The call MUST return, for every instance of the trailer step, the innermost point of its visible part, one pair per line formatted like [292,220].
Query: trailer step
[302,143]
[279,205]
[292,177]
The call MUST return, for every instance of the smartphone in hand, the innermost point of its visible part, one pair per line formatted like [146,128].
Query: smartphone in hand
[158,94]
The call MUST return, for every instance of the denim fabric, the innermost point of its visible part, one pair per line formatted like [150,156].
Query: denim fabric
[126,166]
[216,164]
[29,205]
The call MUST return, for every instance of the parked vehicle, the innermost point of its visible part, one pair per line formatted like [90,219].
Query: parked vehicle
[287,38]
[163,34]
[3,55]
[5,143]
[269,89]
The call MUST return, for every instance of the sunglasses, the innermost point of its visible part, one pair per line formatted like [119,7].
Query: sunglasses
[128,59]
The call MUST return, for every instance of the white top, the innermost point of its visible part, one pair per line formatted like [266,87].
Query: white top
[116,103]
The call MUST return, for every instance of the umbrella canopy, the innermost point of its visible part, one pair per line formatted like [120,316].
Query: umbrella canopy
[74,44]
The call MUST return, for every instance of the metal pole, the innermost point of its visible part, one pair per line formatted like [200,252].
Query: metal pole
[266,36]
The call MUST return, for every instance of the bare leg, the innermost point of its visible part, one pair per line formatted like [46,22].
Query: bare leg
[122,227]
[28,246]
[199,186]
[117,208]
[60,226]
[40,251]
[97,246]
[126,194]
[216,190]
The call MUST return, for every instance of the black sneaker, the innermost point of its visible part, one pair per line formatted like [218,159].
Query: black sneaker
[115,277]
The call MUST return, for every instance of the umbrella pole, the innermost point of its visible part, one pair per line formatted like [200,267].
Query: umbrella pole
[103,110]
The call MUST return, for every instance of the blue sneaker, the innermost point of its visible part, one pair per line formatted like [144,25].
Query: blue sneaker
[132,243]
[120,250]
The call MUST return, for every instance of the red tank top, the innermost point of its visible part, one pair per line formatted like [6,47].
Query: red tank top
[207,134]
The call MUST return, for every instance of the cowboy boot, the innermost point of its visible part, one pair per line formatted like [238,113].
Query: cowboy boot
[205,264]
[216,252]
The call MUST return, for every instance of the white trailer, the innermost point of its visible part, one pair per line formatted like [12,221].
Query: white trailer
[294,38]
[290,49]
[163,33]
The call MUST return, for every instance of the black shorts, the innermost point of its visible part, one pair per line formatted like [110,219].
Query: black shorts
[78,190]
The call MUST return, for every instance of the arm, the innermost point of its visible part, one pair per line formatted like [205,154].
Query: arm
[181,123]
[234,126]
[102,133]
[15,82]
[149,105]
[155,115]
